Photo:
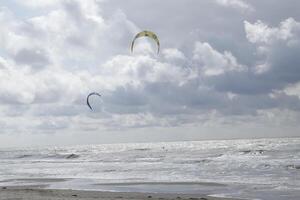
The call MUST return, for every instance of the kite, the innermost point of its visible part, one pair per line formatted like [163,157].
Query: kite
[88,97]
[146,34]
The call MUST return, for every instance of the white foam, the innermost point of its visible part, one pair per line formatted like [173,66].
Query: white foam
[261,165]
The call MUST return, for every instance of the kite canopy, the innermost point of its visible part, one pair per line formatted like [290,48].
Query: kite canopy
[88,97]
[146,34]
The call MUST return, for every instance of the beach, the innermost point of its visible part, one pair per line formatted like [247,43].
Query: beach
[37,193]
[39,189]
[266,169]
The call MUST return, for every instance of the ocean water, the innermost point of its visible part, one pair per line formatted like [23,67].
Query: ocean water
[250,169]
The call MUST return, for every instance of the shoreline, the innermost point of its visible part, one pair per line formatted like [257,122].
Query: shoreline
[170,188]
[38,192]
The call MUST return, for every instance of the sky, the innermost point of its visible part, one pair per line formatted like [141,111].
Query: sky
[227,69]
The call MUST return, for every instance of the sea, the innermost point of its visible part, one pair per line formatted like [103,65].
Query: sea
[266,169]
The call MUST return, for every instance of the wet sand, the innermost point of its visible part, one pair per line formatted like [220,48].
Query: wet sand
[39,193]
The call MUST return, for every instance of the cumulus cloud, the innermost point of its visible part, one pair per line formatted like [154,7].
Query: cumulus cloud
[276,66]
[50,62]
[261,33]
[277,47]
[213,62]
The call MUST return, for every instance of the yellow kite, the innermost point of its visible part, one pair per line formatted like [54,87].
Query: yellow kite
[146,34]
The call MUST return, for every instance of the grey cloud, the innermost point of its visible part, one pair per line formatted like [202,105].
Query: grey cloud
[237,4]
[52,125]
[55,110]
[83,46]
[280,11]
[282,60]
[36,58]
[15,110]
[127,96]
[165,99]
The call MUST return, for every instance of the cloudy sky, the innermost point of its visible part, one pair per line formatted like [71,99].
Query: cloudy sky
[227,69]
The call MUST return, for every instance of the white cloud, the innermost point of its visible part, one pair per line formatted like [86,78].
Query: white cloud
[213,62]
[260,32]
[293,89]
[276,45]
[173,54]
[140,69]
[51,61]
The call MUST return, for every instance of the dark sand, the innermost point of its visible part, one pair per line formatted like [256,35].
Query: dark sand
[39,193]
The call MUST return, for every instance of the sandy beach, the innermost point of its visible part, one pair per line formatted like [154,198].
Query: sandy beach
[37,193]
[207,170]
